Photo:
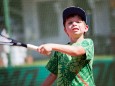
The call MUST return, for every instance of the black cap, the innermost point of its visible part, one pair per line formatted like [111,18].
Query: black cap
[74,10]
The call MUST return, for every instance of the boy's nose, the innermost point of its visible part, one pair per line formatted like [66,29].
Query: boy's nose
[74,24]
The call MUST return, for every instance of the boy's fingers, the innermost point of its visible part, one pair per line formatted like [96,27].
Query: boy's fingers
[44,49]
[39,49]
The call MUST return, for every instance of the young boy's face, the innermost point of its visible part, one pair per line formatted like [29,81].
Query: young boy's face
[75,27]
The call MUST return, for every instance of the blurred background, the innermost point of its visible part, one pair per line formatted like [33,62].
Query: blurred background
[40,21]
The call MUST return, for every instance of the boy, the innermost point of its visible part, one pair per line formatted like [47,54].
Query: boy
[71,64]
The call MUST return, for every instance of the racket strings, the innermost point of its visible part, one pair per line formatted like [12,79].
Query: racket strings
[9,41]
[4,39]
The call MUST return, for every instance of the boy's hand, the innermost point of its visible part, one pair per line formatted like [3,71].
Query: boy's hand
[45,49]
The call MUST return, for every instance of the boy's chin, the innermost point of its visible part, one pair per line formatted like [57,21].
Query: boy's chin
[78,34]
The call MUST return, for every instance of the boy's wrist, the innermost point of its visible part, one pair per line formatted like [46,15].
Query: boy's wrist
[53,46]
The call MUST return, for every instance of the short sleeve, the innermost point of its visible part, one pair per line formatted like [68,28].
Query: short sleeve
[52,65]
[88,45]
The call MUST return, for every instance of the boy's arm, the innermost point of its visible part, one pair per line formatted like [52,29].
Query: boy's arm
[49,80]
[71,50]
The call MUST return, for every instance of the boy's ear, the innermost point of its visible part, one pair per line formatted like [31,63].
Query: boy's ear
[66,31]
[86,28]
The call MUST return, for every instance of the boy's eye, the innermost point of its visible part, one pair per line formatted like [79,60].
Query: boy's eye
[70,23]
[78,22]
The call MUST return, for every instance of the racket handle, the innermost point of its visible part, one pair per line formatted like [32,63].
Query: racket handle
[32,47]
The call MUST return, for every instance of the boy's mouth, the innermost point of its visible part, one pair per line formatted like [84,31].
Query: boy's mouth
[75,29]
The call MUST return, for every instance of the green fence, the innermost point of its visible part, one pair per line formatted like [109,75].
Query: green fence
[104,74]
[22,76]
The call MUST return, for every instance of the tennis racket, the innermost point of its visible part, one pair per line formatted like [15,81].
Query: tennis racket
[11,42]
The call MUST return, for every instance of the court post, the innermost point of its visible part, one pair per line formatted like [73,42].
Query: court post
[7,22]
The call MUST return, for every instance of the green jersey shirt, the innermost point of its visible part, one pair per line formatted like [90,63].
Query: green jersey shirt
[73,71]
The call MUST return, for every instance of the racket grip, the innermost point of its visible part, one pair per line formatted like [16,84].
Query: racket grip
[32,47]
